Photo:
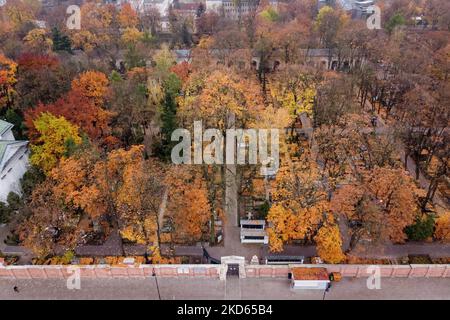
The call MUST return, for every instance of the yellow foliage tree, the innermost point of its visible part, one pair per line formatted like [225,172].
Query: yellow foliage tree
[37,39]
[329,243]
[442,231]
[300,204]
[56,136]
[213,98]
[84,40]
[131,35]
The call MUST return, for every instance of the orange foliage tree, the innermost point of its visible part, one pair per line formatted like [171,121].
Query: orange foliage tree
[78,109]
[86,189]
[380,206]
[128,17]
[188,204]
[82,106]
[93,85]
[8,70]
[182,70]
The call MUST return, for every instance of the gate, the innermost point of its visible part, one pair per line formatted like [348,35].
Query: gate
[233,270]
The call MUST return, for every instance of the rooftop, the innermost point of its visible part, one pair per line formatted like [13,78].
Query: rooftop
[253,222]
[253,233]
[4,126]
[4,144]
[299,273]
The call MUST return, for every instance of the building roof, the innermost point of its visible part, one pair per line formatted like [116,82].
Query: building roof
[253,222]
[5,126]
[304,273]
[5,157]
[346,4]
[182,53]
[253,233]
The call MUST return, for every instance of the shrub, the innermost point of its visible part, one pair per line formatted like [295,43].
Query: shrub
[263,210]
[67,257]
[14,201]
[5,212]
[422,229]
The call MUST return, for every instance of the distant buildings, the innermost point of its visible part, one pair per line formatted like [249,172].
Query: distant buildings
[358,8]
[13,161]
[232,9]
[182,55]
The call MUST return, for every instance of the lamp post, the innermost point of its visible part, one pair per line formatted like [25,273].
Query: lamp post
[326,290]
[156,280]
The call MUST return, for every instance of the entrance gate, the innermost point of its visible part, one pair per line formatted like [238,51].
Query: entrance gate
[233,269]
[232,266]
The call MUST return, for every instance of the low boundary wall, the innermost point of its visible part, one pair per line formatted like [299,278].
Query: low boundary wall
[355,270]
[214,271]
[107,271]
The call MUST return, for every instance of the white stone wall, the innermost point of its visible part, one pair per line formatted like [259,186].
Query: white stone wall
[10,177]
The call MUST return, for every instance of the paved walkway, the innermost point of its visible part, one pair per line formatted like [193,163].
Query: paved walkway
[205,289]
[395,251]
[232,246]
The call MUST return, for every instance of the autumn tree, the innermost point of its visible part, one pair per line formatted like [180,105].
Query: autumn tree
[380,207]
[93,85]
[182,70]
[151,20]
[40,78]
[140,201]
[333,105]
[100,34]
[220,100]
[299,203]
[50,225]
[329,243]
[213,104]
[119,192]
[83,106]
[8,79]
[90,119]
[135,101]
[38,40]
[188,204]
[294,89]
[327,24]
[442,227]
[56,138]
[21,12]
[128,17]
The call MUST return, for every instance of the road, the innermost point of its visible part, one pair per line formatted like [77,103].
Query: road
[235,288]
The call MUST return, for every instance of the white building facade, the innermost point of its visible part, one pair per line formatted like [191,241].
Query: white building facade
[14,162]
